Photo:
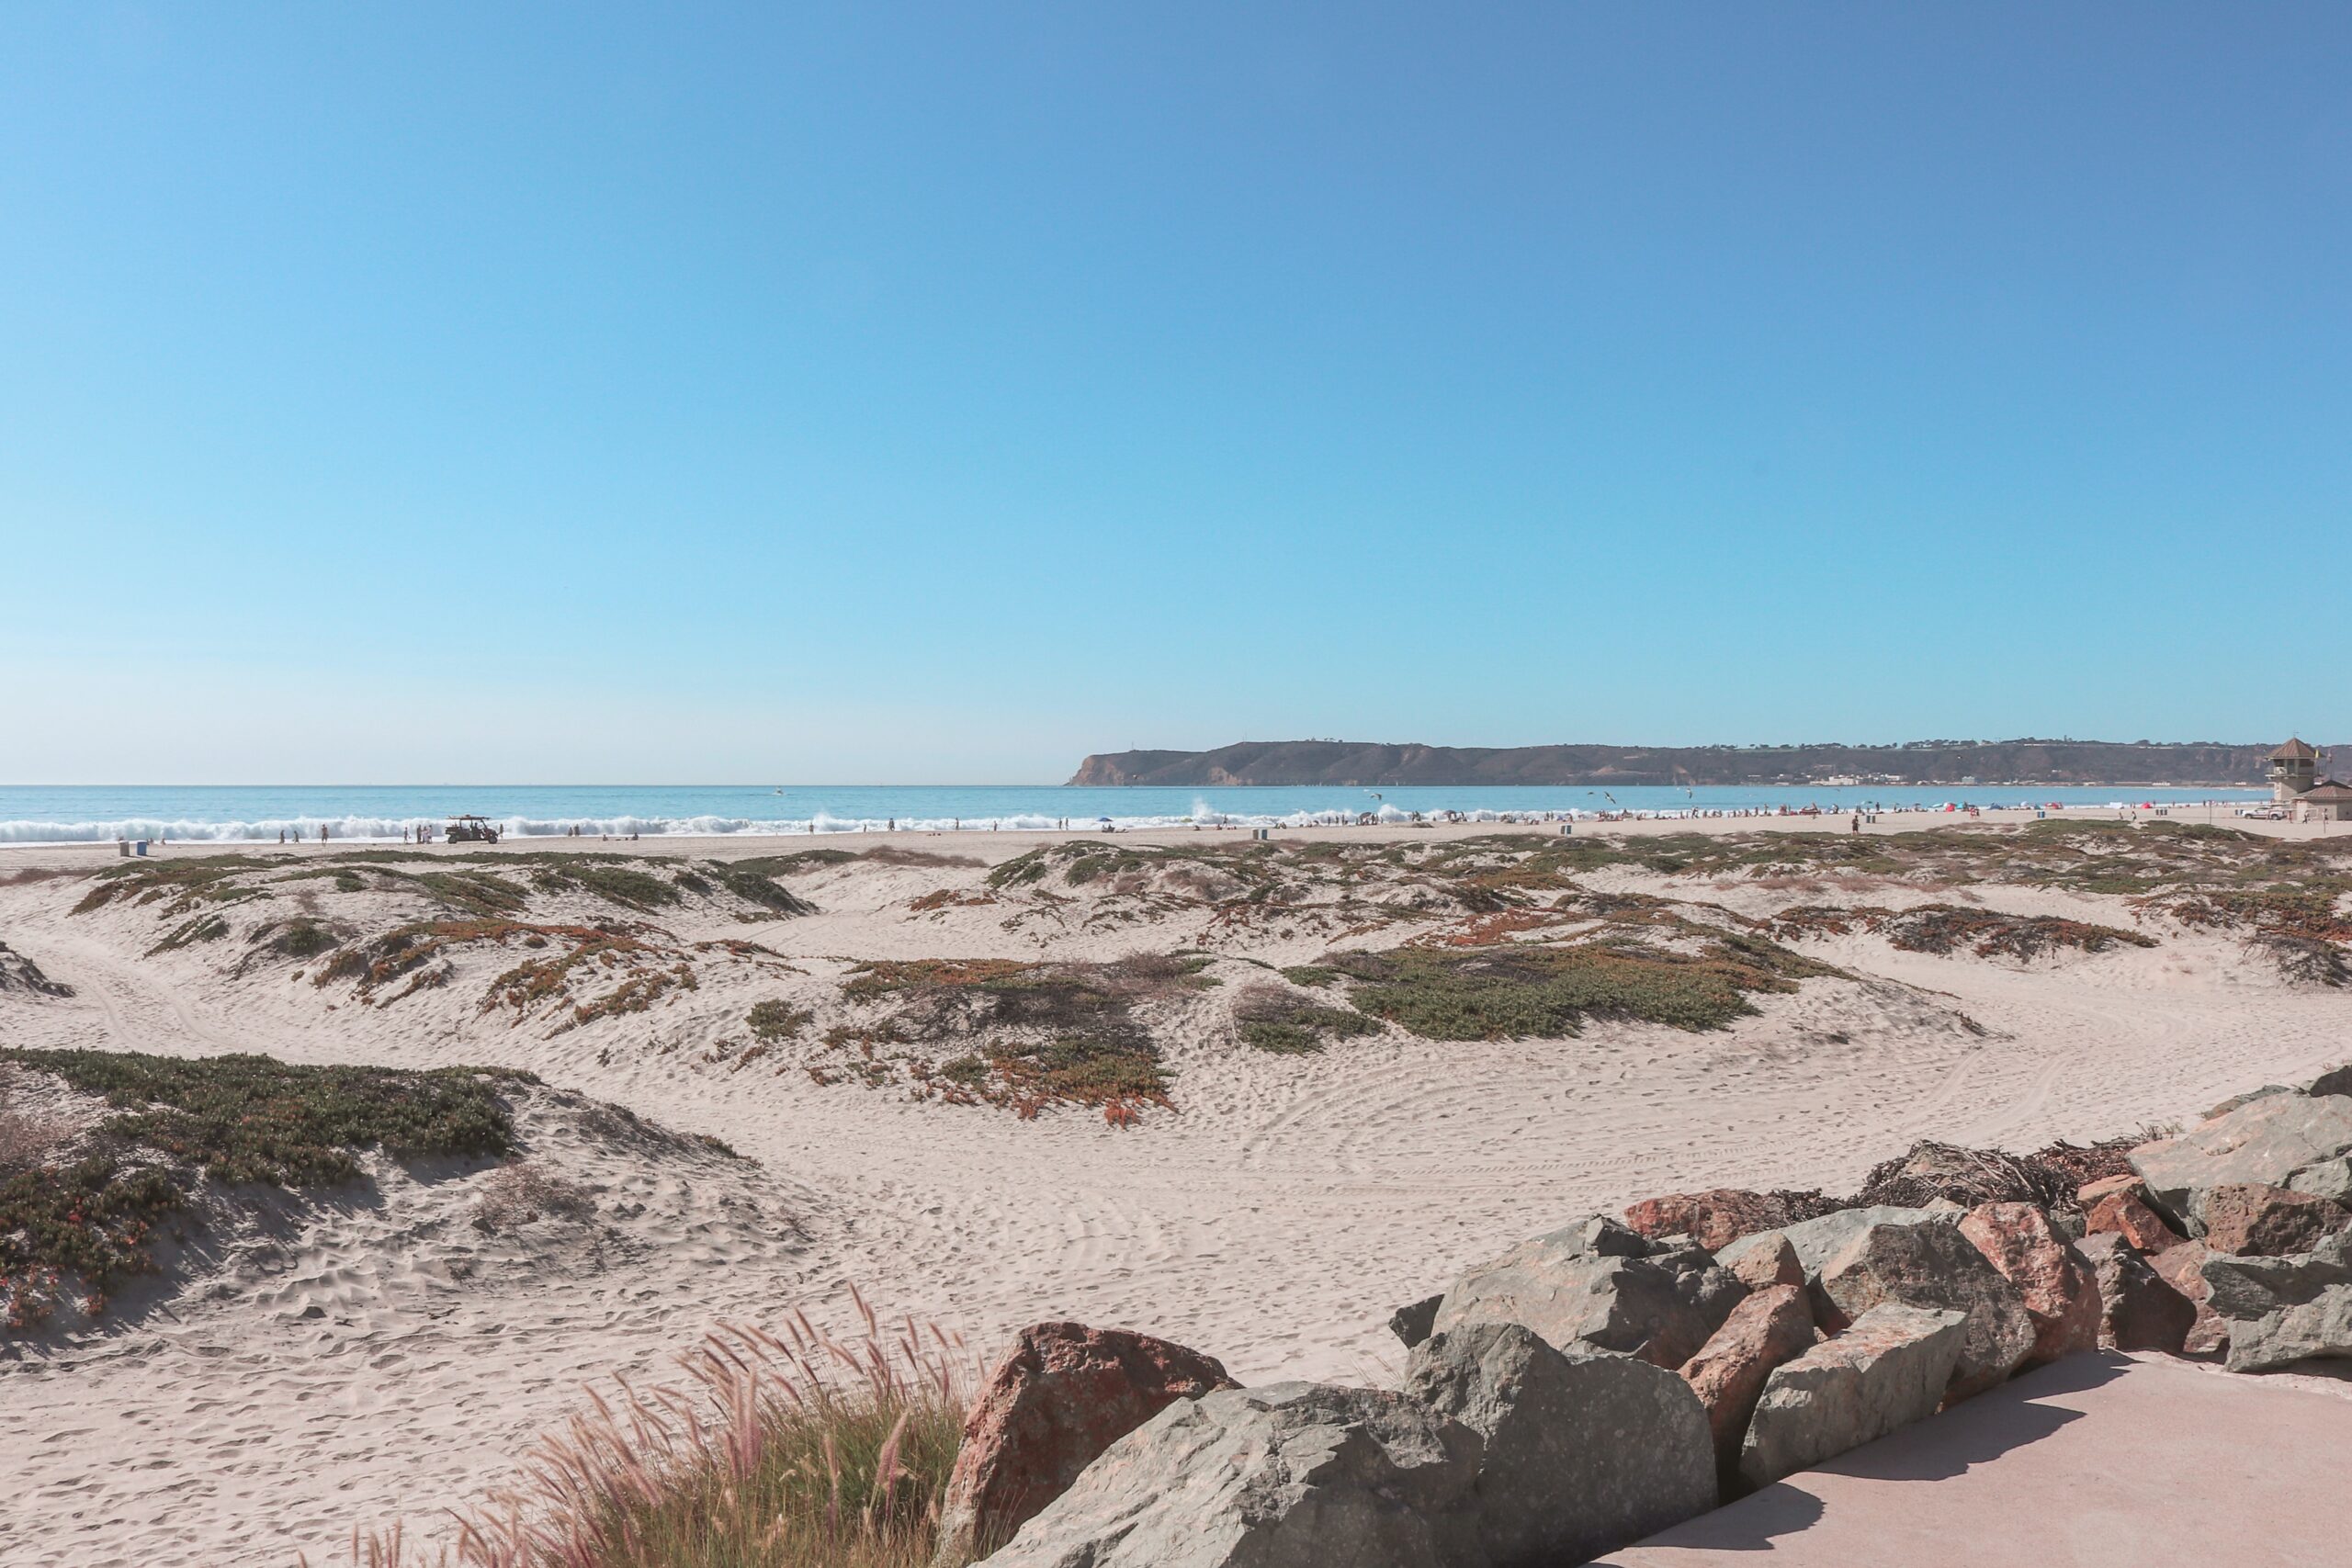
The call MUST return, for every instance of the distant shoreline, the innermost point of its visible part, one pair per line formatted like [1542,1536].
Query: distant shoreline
[550,816]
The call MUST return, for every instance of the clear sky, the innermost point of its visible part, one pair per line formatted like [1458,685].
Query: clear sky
[579,393]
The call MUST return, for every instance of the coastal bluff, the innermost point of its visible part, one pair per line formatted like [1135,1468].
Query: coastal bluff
[1370,764]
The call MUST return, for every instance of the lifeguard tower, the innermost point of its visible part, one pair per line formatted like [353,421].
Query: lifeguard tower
[2294,770]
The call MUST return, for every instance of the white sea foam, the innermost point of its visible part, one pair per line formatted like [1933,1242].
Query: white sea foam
[390,829]
[365,829]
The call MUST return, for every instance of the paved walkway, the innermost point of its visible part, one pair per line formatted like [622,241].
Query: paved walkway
[2100,1461]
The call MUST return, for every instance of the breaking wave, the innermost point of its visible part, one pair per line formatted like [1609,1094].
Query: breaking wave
[390,829]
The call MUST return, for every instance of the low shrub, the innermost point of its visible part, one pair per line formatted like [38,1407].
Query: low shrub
[1286,1024]
[188,933]
[1944,929]
[228,1118]
[1044,1032]
[625,886]
[771,1022]
[1536,990]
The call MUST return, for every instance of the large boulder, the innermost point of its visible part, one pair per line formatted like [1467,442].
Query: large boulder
[2183,1267]
[1585,1453]
[2264,1141]
[1889,1369]
[1295,1475]
[2335,1080]
[1771,1326]
[1712,1218]
[2138,1311]
[1931,1265]
[2061,1294]
[2282,1310]
[2125,1214]
[1064,1393]
[1574,1287]
[1815,1240]
[2253,1220]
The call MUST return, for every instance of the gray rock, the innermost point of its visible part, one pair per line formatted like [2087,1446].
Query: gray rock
[2262,1142]
[2335,1080]
[1702,1284]
[2138,1311]
[1585,1453]
[1568,1294]
[1887,1371]
[1295,1475]
[2330,1179]
[1932,1265]
[2282,1310]
[1411,1323]
[1815,1240]
[2248,1098]
[1600,1236]
[1761,1267]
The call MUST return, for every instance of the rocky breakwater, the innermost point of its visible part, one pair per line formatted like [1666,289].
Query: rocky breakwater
[1603,1381]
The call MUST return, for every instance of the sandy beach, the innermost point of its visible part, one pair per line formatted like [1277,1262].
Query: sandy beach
[342,1363]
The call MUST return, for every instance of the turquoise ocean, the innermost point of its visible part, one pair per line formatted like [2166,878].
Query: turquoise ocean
[230,813]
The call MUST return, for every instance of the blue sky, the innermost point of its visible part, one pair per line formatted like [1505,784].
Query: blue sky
[936,393]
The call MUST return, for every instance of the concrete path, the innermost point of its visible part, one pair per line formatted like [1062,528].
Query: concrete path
[2100,1461]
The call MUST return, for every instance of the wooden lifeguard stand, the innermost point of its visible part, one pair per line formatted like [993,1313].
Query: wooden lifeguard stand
[2294,769]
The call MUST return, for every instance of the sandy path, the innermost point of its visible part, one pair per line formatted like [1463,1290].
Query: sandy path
[1275,1221]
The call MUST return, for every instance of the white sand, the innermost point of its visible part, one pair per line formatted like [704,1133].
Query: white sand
[387,1359]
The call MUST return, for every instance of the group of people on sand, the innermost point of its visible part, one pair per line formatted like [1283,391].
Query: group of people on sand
[294,835]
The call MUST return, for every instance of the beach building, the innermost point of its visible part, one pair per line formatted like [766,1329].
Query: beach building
[2294,771]
[2330,800]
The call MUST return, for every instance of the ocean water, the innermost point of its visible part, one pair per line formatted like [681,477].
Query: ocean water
[230,813]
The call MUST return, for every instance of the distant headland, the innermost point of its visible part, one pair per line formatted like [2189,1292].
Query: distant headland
[1347,762]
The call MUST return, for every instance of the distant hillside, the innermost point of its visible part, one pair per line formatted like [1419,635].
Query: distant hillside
[1914,762]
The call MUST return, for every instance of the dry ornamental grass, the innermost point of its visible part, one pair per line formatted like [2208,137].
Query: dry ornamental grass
[777,1451]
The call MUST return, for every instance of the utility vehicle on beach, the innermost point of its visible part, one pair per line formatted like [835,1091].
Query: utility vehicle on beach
[471,831]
